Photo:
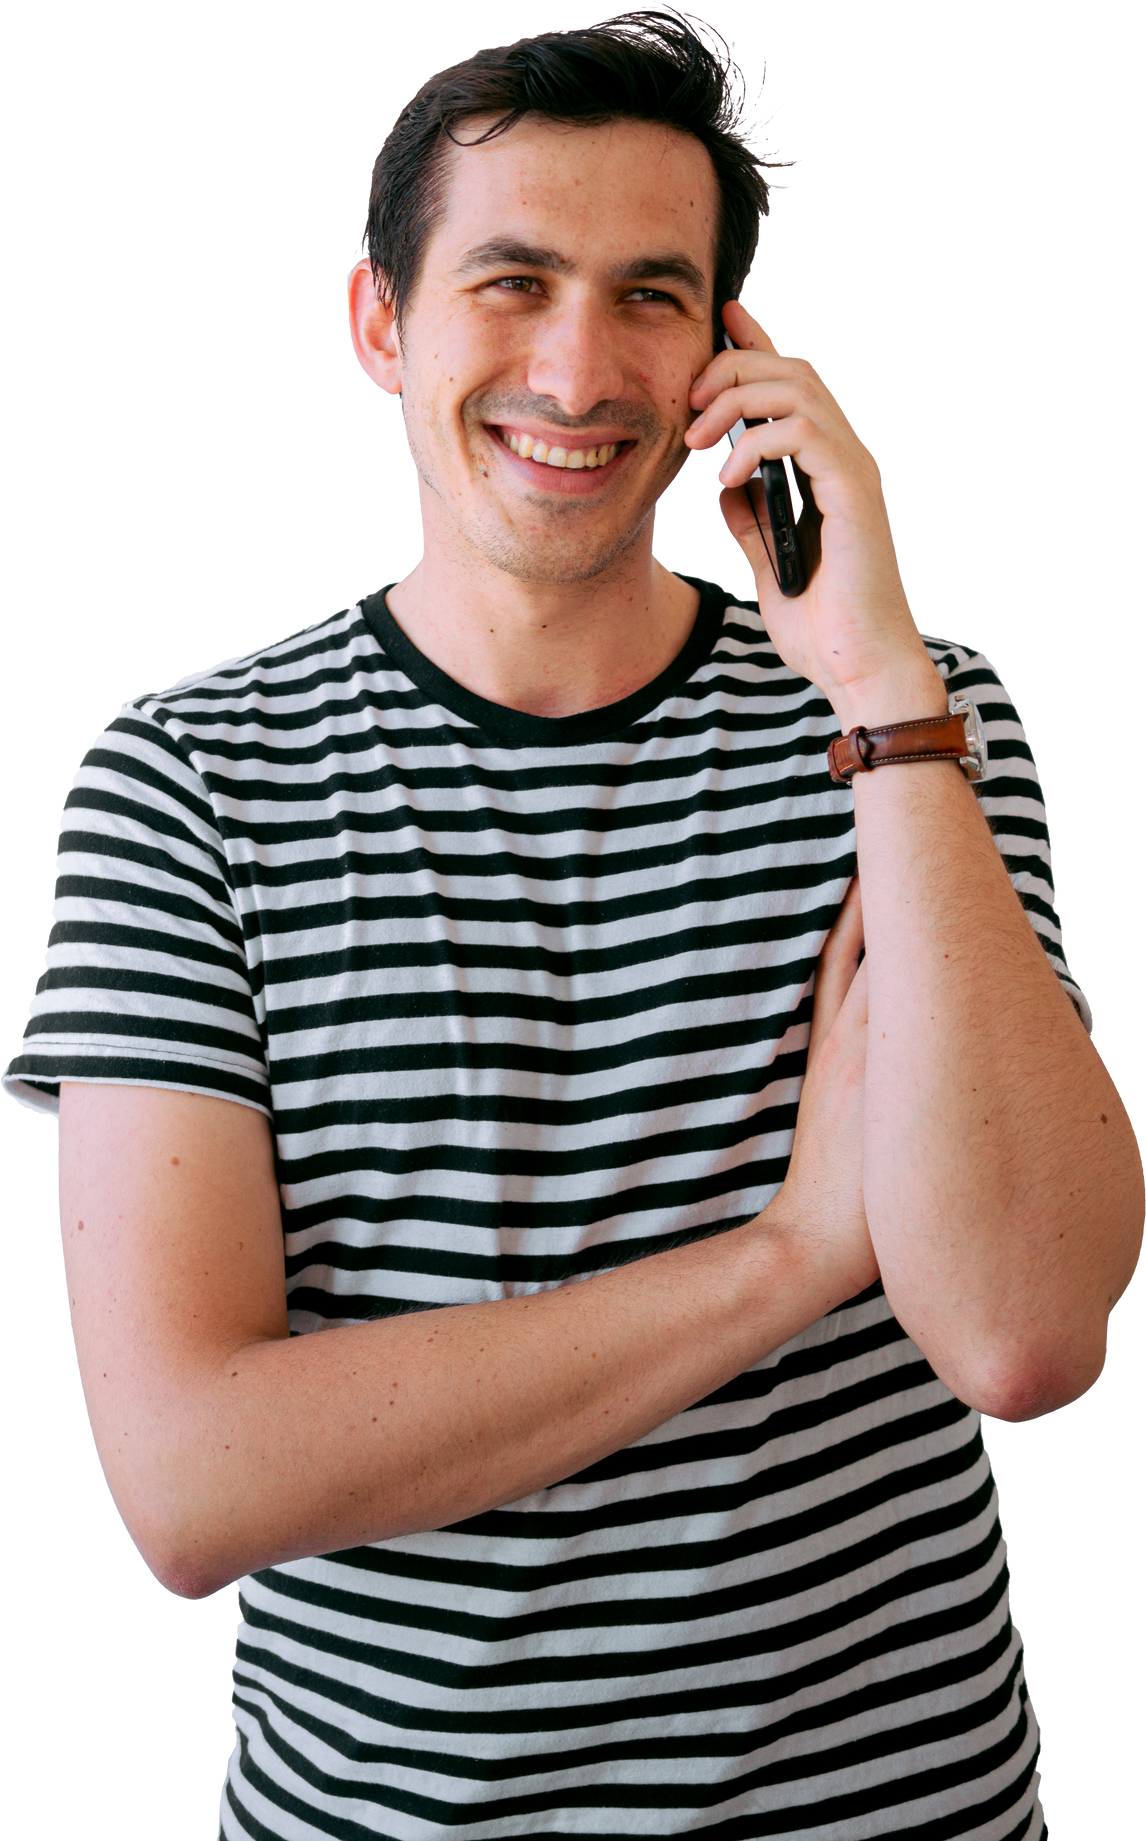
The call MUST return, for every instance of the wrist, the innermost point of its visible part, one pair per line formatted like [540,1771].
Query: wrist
[793,1260]
[905,692]
[779,1255]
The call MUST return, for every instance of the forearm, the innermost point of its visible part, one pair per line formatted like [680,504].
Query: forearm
[1001,1178]
[281,1448]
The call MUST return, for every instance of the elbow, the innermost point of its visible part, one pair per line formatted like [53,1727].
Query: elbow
[183,1565]
[1052,1363]
[1017,1384]
[181,1552]
[184,1575]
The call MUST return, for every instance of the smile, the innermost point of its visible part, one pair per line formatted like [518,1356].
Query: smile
[533,448]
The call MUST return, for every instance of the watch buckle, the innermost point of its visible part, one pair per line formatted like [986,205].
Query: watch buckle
[974,762]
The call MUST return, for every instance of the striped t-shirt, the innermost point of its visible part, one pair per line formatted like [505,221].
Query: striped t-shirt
[523,999]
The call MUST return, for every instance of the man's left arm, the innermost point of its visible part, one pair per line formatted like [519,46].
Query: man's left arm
[1002,1181]
[1001,1178]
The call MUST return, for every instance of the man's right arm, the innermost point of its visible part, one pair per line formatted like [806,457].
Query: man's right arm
[230,1445]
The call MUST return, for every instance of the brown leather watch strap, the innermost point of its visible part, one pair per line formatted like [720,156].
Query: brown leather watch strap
[931,738]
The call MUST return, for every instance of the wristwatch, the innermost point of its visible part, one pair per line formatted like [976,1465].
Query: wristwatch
[958,736]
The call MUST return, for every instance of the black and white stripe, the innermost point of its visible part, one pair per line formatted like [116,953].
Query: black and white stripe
[525,999]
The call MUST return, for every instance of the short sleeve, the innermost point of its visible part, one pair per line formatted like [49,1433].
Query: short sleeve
[1012,801]
[147,981]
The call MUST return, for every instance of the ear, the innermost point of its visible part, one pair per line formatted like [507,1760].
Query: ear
[373,331]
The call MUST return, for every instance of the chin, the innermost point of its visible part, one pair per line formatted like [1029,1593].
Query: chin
[554,558]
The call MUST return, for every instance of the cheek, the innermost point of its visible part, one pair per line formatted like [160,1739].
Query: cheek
[427,406]
[669,384]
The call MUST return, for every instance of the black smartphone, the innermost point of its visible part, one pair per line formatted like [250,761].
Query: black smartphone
[791,549]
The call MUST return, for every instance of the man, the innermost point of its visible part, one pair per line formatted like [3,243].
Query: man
[464,944]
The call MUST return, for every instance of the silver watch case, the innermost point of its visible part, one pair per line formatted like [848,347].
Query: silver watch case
[974,762]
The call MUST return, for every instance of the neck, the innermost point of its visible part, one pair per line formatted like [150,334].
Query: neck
[543,648]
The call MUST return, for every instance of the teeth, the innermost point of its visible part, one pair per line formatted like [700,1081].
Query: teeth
[577,457]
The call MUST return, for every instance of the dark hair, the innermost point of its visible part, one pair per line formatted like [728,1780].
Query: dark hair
[647,66]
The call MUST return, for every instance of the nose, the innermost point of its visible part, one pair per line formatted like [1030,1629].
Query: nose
[573,357]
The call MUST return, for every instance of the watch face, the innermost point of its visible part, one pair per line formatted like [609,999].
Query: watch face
[975,759]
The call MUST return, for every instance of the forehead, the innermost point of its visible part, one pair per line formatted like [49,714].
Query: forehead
[601,195]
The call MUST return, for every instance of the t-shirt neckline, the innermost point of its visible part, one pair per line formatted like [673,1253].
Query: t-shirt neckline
[524,730]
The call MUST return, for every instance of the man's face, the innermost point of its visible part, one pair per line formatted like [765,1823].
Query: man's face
[564,306]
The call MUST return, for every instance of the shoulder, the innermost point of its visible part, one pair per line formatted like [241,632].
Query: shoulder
[289,667]
[168,747]
[282,699]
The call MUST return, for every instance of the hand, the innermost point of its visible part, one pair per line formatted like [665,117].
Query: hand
[825,1176]
[851,631]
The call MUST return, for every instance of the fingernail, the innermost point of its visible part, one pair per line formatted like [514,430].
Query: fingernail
[721,474]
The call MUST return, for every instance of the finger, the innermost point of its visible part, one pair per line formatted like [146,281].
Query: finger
[745,512]
[845,934]
[838,965]
[796,437]
[840,956]
[833,984]
[855,1011]
[763,388]
[843,1048]
[744,400]
[746,332]
[721,370]
[852,1014]
[736,370]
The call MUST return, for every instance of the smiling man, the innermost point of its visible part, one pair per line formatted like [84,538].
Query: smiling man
[441,979]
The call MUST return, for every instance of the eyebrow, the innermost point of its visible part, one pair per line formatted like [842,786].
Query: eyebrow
[671,265]
[668,267]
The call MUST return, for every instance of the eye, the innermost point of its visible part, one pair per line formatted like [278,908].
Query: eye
[517,284]
[650,294]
